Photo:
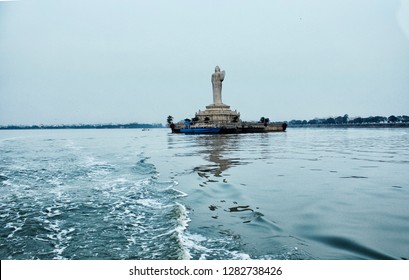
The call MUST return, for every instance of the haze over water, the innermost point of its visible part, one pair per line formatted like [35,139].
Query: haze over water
[133,194]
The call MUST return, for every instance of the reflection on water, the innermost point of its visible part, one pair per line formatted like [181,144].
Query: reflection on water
[219,151]
[214,149]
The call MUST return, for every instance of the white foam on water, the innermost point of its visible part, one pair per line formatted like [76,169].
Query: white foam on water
[58,251]
[52,211]
[194,243]
[143,182]
[41,239]
[91,161]
[151,203]
[181,194]
[15,226]
[183,221]
[7,183]
[53,226]
[62,238]
[121,180]
[55,181]
[182,224]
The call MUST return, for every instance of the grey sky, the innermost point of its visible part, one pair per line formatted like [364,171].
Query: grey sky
[124,61]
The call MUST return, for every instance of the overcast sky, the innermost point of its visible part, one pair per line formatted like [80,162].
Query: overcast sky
[94,61]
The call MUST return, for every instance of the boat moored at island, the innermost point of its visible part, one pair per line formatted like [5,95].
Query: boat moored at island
[249,127]
[200,130]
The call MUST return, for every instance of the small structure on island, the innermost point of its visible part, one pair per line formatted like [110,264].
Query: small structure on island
[218,118]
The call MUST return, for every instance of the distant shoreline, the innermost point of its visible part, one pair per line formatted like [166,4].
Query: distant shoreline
[355,125]
[149,126]
[82,126]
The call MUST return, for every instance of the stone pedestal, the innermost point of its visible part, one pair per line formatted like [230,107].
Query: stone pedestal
[219,114]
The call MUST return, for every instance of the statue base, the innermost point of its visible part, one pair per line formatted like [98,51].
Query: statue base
[218,106]
[218,114]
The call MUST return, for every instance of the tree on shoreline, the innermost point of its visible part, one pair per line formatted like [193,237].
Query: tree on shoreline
[345,120]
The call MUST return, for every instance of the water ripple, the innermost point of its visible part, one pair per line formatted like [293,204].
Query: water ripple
[349,245]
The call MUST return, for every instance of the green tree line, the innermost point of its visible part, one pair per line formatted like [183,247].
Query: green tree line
[84,126]
[346,120]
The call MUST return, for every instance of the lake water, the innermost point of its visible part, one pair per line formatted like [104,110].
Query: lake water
[133,194]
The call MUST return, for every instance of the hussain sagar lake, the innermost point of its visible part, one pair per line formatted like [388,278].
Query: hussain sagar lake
[133,194]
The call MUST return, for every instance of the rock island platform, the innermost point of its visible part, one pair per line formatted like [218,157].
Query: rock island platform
[218,118]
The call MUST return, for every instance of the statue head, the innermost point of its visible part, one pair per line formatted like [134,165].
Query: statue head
[217,69]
